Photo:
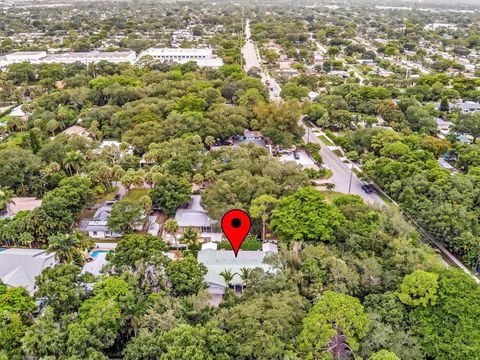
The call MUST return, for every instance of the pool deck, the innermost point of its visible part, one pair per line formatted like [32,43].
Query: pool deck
[96,265]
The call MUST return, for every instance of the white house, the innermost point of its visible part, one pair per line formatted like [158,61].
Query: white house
[193,215]
[18,112]
[19,267]
[97,226]
[218,261]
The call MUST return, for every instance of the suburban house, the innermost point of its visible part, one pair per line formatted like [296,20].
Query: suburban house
[193,215]
[76,130]
[218,261]
[18,112]
[97,226]
[465,107]
[22,204]
[255,137]
[19,267]
[443,126]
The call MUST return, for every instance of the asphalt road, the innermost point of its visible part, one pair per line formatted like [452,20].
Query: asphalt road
[252,60]
[341,171]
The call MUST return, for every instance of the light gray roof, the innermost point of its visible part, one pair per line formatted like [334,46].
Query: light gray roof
[99,220]
[194,215]
[218,261]
[19,267]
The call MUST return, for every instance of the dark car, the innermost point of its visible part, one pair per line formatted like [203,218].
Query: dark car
[296,156]
[367,188]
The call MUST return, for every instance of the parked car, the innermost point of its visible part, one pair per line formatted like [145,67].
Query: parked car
[296,155]
[367,188]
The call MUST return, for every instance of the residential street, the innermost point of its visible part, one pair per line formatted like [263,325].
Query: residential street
[341,171]
[252,60]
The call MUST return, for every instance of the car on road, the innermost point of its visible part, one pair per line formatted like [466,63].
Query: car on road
[296,156]
[367,188]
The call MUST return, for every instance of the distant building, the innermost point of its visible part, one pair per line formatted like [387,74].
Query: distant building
[92,57]
[42,57]
[340,73]
[435,26]
[22,204]
[443,126]
[204,57]
[193,215]
[76,130]
[255,137]
[18,112]
[97,226]
[19,267]
[465,107]
[218,261]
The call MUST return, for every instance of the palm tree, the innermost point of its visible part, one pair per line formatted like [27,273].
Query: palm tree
[261,208]
[245,275]
[209,141]
[227,276]
[6,196]
[171,227]
[73,161]
[26,239]
[210,175]
[190,238]
[67,247]
[52,126]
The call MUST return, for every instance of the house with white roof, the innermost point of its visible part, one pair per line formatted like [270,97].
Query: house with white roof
[18,112]
[193,215]
[19,267]
[465,107]
[218,261]
[97,226]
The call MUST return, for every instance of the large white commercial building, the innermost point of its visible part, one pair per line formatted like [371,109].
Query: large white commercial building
[42,57]
[203,57]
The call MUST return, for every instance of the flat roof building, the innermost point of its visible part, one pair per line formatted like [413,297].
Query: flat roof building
[42,57]
[204,57]
[91,57]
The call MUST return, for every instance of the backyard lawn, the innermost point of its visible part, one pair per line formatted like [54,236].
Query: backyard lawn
[136,194]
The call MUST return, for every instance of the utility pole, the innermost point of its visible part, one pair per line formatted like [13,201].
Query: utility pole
[351,177]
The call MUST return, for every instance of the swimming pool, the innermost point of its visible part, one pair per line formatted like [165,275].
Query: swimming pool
[97,252]
[1,249]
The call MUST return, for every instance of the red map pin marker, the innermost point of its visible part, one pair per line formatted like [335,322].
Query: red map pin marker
[236,225]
